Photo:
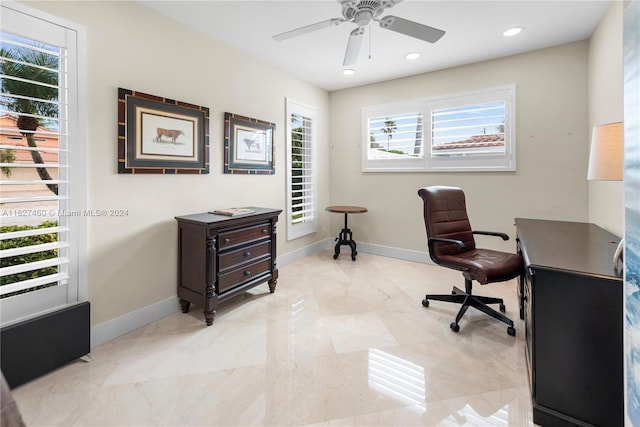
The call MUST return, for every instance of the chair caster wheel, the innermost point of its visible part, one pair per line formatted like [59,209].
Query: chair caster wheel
[511,331]
[425,302]
[335,256]
[455,327]
[502,308]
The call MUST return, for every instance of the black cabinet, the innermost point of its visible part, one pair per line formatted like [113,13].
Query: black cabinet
[572,305]
[221,256]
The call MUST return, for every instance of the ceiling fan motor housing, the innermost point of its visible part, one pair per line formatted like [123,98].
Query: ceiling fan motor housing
[361,12]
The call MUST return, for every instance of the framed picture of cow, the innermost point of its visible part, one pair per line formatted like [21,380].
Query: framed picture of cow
[161,135]
[248,145]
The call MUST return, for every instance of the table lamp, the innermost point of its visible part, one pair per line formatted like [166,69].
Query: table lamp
[605,163]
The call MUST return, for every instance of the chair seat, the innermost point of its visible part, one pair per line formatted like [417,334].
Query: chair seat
[486,265]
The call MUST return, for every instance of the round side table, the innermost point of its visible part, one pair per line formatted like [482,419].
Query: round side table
[346,237]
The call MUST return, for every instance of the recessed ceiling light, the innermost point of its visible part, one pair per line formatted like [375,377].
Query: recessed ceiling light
[411,56]
[348,72]
[512,31]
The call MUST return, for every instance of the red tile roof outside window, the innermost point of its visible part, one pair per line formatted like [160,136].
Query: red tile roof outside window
[475,141]
[45,138]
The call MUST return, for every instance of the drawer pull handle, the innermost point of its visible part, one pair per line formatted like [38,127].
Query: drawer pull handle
[264,230]
[247,253]
[247,273]
[227,240]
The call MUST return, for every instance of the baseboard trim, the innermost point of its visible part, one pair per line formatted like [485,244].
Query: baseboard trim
[390,252]
[106,331]
[126,323]
[298,254]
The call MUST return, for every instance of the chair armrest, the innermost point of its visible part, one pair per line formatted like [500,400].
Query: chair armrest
[431,240]
[492,233]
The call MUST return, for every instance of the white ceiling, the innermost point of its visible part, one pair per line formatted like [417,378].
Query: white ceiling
[473,33]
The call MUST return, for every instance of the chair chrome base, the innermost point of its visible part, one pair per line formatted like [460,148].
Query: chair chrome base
[468,300]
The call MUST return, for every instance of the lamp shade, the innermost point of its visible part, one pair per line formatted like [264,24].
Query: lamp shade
[605,159]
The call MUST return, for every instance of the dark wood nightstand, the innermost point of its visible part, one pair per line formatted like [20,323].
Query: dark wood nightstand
[221,256]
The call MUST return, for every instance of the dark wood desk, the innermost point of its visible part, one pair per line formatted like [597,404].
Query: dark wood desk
[571,302]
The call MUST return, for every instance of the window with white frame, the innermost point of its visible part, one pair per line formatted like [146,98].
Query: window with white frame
[394,137]
[42,165]
[473,131]
[302,188]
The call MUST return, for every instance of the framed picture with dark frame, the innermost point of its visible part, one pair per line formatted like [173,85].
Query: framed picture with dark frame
[161,135]
[248,145]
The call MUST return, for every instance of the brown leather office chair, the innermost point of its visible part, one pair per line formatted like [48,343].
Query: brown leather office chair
[451,244]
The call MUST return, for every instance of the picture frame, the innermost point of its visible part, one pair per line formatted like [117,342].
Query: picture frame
[248,145]
[161,135]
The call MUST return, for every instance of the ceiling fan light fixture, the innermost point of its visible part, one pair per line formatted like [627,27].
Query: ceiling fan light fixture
[348,72]
[412,55]
[509,32]
[363,18]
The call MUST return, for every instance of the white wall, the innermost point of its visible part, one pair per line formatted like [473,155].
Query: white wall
[132,260]
[606,89]
[551,134]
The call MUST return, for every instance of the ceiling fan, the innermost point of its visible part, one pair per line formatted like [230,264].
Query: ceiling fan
[361,13]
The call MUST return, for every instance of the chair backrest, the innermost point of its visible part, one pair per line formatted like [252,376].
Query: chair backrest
[445,216]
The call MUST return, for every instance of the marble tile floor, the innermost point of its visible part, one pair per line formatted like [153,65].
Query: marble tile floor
[340,343]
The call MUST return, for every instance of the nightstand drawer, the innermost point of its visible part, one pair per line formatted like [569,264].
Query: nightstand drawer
[235,258]
[229,239]
[235,278]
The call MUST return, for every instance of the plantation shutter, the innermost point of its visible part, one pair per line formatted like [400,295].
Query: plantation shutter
[38,122]
[473,131]
[396,136]
[302,185]
[33,240]
[468,130]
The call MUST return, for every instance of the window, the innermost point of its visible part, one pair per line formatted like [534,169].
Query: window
[394,137]
[42,162]
[302,218]
[465,132]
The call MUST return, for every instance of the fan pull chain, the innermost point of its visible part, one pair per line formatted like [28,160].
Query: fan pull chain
[370,31]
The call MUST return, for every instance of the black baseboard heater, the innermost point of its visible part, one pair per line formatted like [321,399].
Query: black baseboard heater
[42,344]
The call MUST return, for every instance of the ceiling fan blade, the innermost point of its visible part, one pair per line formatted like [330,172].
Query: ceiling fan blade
[353,46]
[308,28]
[411,28]
[389,3]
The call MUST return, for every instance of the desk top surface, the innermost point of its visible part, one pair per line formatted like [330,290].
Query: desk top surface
[573,246]
[210,218]
[346,209]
